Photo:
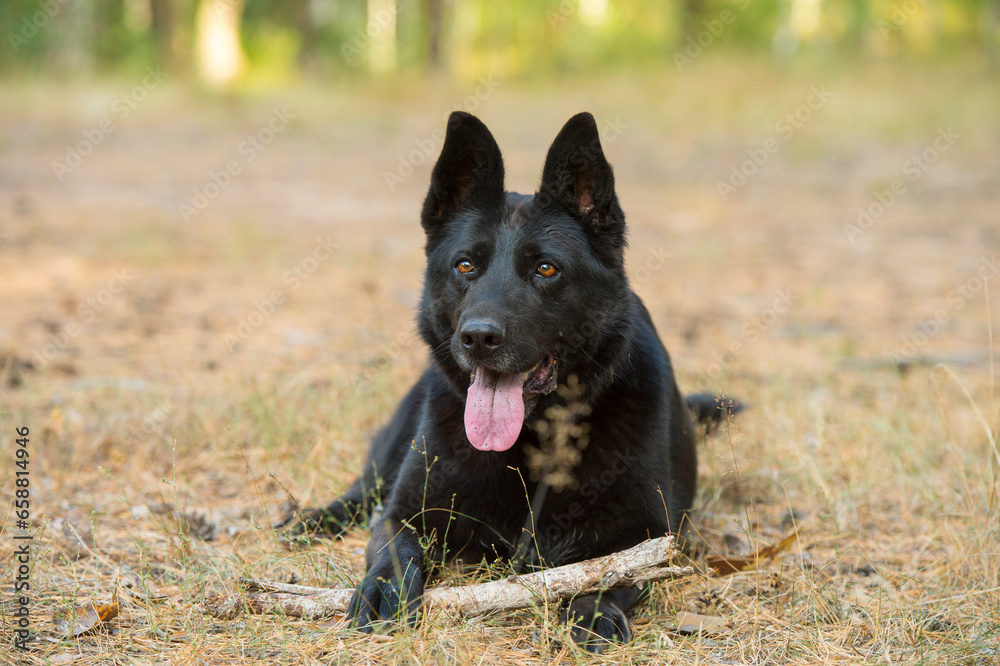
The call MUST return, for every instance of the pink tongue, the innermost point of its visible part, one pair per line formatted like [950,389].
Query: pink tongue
[494,410]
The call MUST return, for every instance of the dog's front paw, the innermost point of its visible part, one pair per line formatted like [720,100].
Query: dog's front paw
[597,623]
[388,592]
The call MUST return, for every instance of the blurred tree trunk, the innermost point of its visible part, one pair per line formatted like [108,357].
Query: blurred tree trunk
[692,15]
[307,24]
[858,28]
[218,52]
[74,38]
[381,27]
[435,24]
[991,24]
[784,40]
[799,22]
[163,19]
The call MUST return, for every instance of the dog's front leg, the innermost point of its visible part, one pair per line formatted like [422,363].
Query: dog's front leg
[394,581]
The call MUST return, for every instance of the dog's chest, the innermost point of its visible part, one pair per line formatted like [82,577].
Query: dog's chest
[545,526]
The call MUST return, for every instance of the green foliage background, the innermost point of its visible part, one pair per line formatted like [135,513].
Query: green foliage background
[529,38]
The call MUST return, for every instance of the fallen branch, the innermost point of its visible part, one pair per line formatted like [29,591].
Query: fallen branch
[649,561]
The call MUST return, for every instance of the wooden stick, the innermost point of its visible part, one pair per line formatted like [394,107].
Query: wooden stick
[647,562]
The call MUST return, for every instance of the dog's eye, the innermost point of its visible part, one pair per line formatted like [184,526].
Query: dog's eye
[464,267]
[547,270]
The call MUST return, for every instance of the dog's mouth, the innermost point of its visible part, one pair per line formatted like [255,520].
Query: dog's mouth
[494,409]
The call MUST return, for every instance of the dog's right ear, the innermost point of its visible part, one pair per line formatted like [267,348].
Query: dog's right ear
[469,173]
[578,180]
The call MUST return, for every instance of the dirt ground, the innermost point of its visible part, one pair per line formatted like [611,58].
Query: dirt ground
[208,307]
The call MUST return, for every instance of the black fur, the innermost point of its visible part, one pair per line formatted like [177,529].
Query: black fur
[636,476]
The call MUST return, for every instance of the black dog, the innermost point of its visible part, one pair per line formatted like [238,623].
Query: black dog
[524,295]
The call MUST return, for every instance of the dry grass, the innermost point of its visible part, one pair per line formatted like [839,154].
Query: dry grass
[160,457]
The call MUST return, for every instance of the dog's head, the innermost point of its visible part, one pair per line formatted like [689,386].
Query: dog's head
[521,291]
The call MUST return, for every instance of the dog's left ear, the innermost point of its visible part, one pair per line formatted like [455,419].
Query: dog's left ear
[578,180]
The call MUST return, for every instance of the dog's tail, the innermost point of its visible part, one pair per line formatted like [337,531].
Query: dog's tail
[713,410]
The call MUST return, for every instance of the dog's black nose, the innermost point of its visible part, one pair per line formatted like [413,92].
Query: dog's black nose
[481,337]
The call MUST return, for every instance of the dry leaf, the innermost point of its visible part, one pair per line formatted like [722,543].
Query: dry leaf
[692,623]
[336,623]
[85,618]
[725,566]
